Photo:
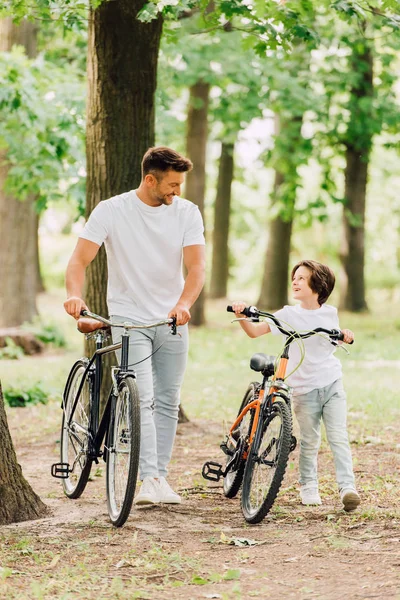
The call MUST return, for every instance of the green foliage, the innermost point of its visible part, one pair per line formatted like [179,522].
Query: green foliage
[41,128]
[11,351]
[19,397]
[70,14]
[48,333]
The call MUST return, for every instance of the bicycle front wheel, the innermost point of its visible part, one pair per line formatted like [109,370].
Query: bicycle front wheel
[75,430]
[266,463]
[233,479]
[123,451]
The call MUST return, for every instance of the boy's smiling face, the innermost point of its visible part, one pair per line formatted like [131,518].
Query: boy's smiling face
[301,287]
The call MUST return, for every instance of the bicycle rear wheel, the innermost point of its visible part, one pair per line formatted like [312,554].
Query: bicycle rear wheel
[75,434]
[233,479]
[266,463]
[123,451]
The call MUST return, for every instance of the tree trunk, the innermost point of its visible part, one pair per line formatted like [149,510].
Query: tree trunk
[122,74]
[17,218]
[39,279]
[220,258]
[356,177]
[196,143]
[274,287]
[18,502]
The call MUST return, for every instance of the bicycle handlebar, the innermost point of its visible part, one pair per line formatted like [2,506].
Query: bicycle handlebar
[253,313]
[126,325]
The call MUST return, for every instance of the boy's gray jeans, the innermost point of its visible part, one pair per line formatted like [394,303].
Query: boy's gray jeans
[159,380]
[329,405]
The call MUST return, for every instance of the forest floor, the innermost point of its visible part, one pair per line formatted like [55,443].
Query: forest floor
[203,548]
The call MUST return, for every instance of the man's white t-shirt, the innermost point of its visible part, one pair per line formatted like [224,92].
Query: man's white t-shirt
[319,367]
[144,252]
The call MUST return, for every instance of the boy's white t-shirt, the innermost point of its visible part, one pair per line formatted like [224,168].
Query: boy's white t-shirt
[320,367]
[144,252]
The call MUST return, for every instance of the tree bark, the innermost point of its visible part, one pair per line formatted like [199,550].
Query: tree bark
[39,278]
[220,257]
[274,287]
[18,501]
[356,178]
[17,218]
[196,143]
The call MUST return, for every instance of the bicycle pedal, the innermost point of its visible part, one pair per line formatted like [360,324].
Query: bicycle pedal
[60,470]
[212,471]
[293,443]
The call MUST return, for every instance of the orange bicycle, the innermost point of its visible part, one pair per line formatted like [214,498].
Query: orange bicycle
[260,440]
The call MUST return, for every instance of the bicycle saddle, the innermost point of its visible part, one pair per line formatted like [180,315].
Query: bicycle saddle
[262,362]
[87,325]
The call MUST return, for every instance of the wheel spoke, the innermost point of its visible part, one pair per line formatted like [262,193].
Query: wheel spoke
[267,463]
[75,433]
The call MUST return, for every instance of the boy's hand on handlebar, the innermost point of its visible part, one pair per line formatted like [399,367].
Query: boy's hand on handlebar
[348,336]
[74,306]
[238,308]
[181,313]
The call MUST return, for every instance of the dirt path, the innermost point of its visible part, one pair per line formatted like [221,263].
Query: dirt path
[203,548]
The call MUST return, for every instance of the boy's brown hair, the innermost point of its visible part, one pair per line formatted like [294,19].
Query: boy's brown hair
[322,278]
[160,159]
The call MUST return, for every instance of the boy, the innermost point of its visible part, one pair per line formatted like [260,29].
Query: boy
[318,392]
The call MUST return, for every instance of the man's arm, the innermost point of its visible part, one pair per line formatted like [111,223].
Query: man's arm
[195,261]
[85,251]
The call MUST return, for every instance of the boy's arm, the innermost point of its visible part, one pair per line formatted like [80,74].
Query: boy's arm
[253,330]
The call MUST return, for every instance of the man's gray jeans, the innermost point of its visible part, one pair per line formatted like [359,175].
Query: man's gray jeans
[159,380]
[329,405]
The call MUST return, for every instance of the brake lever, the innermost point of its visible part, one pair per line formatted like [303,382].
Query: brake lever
[342,346]
[249,319]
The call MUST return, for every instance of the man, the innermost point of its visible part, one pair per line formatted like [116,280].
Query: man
[146,233]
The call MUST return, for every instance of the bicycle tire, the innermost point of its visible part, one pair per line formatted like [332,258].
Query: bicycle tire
[123,451]
[233,479]
[271,443]
[74,437]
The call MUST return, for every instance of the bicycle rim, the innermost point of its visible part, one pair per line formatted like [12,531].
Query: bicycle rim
[266,464]
[75,435]
[123,452]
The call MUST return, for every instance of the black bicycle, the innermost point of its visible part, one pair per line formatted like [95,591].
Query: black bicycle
[260,439]
[82,430]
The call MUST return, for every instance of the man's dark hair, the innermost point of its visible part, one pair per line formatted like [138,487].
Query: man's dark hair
[160,159]
[322,278]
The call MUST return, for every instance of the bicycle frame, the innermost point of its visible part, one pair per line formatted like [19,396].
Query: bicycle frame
[259,402]
[93,371]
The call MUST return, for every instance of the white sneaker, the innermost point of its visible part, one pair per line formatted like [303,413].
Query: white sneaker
[149,492]
[167,494]
[350,499]
[309,494]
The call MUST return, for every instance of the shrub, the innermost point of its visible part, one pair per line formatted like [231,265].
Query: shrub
[17,397]
[11,350]
[48,333]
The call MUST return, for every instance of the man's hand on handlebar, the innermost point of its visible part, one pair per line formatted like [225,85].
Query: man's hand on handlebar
[181,313]
[74,306]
